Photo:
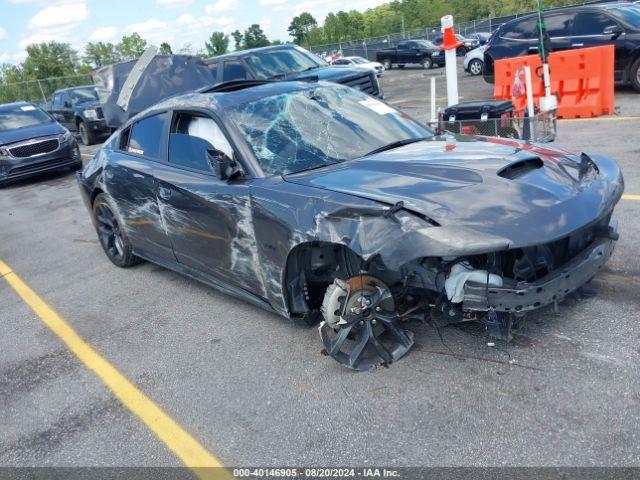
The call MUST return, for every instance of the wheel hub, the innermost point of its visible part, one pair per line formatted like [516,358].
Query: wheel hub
[361,328]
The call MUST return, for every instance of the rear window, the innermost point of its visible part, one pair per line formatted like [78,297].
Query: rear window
[20,116]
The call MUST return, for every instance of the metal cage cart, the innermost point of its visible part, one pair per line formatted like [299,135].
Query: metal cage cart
[497,118]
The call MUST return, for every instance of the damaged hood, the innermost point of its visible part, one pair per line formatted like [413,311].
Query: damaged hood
[524,194]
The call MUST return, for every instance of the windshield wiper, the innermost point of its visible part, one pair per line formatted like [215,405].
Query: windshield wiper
[396,144]
[306,69]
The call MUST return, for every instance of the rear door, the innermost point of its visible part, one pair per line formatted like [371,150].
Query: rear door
[131,184]
[208,219]
[595,29]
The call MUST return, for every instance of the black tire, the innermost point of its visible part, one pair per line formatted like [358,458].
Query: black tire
[386,63]
[634,75]
[112,236]
[461,51]
[401,65]
[475,67]
[427,63]
[86,136]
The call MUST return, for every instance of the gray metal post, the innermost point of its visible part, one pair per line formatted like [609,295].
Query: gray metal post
[42,91]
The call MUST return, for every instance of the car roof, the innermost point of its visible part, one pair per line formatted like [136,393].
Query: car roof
[244,53]
[74,88]
[221,100]
[574,8]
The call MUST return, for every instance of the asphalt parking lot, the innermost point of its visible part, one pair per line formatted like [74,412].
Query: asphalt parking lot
[253,389]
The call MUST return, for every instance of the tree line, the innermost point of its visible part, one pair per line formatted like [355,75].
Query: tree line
[56,59]
[396,16]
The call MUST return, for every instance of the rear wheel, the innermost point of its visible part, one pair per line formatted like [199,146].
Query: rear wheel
[475,67]
[386,63]
[361,327]
[112,236]
[634,74]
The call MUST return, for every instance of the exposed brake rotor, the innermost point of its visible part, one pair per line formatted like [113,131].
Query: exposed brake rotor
[360,328]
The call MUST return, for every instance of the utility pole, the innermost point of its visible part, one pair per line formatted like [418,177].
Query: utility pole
[403,32]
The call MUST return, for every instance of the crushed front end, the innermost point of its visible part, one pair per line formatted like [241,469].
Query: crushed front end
[499,288]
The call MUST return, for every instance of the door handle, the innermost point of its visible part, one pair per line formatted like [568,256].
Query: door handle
[577,44]
[164,193]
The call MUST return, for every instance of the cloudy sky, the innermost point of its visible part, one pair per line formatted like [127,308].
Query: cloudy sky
[176,21]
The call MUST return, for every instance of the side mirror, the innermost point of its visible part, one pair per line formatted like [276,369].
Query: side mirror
[67,104]
[58,117]
[222,166]
[613,30]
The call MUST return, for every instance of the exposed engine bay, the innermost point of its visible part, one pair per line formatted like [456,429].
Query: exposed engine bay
[366,313]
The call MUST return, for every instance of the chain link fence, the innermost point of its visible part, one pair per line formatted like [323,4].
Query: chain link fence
[39,91]
[367,47]
[540,128]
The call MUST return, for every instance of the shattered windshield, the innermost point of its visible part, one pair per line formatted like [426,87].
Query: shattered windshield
[308,129]
[281,62]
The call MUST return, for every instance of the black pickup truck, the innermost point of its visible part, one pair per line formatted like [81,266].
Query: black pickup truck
[408,52]
[78,109]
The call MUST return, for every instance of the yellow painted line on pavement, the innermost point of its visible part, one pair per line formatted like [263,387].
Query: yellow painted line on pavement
[187,448]
[630,197]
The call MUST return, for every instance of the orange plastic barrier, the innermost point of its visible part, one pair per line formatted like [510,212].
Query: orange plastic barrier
[581,79]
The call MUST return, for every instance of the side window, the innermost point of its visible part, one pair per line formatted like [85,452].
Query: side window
[559,25]
[234,71]
[64,99]
[403,46]
[591,23]
[522,30]
[191,136]
[57,100]
[145,137]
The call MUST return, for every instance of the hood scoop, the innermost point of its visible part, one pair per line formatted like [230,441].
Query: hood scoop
[520,168]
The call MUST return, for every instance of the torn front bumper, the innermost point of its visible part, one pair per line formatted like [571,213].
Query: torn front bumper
[552,288]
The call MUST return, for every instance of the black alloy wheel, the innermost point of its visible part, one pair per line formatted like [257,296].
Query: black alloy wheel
[113,238]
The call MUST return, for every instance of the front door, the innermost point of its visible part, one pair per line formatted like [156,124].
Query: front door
[596,29]
[209,220]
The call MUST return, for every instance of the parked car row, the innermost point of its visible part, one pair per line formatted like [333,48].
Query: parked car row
[616,24]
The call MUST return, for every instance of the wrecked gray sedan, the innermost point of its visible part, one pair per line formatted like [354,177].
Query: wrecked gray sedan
[318,202]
